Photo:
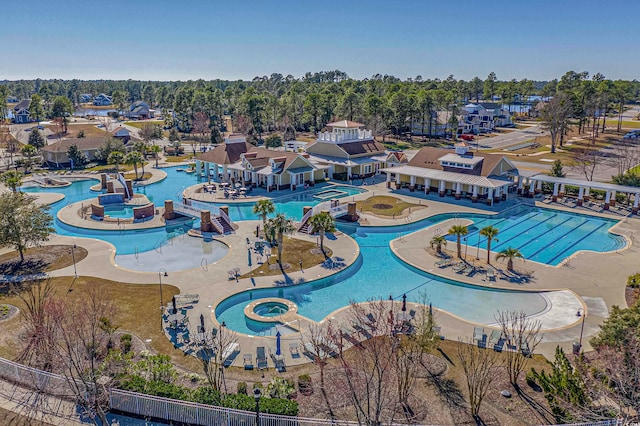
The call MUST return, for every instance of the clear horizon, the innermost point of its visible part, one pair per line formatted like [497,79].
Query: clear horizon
[208,41]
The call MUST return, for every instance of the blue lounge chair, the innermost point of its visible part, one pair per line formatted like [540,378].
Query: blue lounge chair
[261,358]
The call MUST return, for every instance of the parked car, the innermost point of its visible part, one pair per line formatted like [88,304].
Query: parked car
[467,137]
[631,135]
[40,127]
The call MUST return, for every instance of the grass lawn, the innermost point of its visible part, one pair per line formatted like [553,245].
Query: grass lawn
[385,205]
[141,124]
[138,312]
[90,131]
[625,124]
[39,259]
[178,158]
[293,251]
[132,175]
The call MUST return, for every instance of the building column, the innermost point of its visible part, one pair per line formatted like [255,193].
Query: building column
[555,192]
[458,190]
[427,185]
[496,194]
[254,179]
[539,187]
[607,200]
[441,188]
[532,188]
[562,192]
[398,183]
[520,184]
[388,180]
[586,194]
[269,182]
[490,197]
[225,177]
[412,183]
[580,196]
[612,202]
[474,195]
[634,210]
[504,191]
[199,167]
[349,174]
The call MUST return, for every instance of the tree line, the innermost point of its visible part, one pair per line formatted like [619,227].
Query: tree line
[386,104]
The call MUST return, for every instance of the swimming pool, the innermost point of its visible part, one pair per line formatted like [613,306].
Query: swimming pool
[118,210]
[135,242]
[378,272]
[543,235]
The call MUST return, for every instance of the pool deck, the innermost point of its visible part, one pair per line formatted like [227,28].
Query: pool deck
[598,278]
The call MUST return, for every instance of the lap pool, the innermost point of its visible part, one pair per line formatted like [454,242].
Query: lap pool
[378,272]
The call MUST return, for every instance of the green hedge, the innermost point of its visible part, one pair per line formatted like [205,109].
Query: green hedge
[210,396]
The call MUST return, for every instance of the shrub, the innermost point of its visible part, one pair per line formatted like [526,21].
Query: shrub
[125,343]
[242,388]
[281,388]
[634,280]
[305,386]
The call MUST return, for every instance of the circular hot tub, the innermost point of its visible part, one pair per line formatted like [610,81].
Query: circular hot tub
[271,309]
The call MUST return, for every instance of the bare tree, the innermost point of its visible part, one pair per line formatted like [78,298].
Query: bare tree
[555,118]
[210,351]
[522,335]
[587,161]
[82,345]
[201,125]
[626,156]
[318,344]
[39,344]
[479,367]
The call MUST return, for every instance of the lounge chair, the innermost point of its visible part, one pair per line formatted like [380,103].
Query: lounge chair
[229,353]
[372,321]
[294,349]
[491,274]
[458,267]
[261,358]
[362,331]
[494,338]
[348,335]
[478,334]
[313,353]
[468,270]
[278,361]
[443,263]
[499,345]
[524,348]
[438,331]
[247,360]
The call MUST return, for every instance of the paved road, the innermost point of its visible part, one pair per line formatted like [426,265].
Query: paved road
[511,138]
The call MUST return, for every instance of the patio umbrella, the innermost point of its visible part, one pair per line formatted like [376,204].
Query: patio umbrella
[430,309]
[278,343]
[202,321]
[249,256]
[173,301]
[404,302]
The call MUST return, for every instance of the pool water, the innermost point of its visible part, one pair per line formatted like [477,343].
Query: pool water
[271,309]
[118,210]
[541,235]
[378,272]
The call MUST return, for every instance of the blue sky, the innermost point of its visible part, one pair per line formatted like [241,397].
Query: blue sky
[241,39]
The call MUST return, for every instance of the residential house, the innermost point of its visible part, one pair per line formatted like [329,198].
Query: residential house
[21,112]
[103,100]
[56,154]
[140,110]
[12,99]
[485,116]
[85,98]
[461,173]
[347,151]
[238,161]
[121,133]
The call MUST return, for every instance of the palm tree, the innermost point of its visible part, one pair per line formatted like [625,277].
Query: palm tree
[322,222]
[490,232]
[438,241]
[116,158]
[12,179]
[281,226]
[156,150]
[510,253]
[459,231]
[264,208]
[133,159]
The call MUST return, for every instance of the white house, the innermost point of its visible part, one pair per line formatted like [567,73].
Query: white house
[103,100]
